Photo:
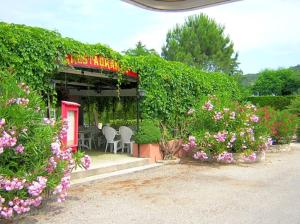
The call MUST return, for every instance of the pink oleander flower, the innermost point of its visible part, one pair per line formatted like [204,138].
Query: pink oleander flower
[232,115]
[51,121]
[221,136]
[249,130]
[86,162]
[208,106]
[13,184]
[2,200]
[37,187]
[19,149]
[7,141]
[269,141]
[191,111]
[190,145]
[24,87]
[233,138]
[225,157]
[51,165]
[2,122]
[254,118]
[250,158]
[6,212]
[55,148]
[61,189]
[226,110]
[218,116]
[19,101]
[229,145]
[186,147]
[200,155]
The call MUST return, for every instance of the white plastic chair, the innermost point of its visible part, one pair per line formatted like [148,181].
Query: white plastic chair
[126,134]
[110,134]
[84,142]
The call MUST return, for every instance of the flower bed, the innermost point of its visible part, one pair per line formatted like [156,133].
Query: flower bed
[33,161]
[227,130]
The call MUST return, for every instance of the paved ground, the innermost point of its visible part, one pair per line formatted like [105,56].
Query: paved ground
[267,192]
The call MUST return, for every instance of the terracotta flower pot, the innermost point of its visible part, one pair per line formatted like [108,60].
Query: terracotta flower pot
[150,151]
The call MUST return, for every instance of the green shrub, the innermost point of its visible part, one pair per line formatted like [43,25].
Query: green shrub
[277,102]
[222,128]
[122,122]
[281,124]
[294,108]
[33,160]
[149,132]
[172,88]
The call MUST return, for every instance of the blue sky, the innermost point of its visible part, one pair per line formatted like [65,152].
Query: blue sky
[265,33]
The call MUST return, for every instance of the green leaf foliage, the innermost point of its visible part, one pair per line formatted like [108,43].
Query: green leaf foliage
[277,102]
[280,82]
[35,54]
[149,132]
[172,88]
[140,50]
[201,42]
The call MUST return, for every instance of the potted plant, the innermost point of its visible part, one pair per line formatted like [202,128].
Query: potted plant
[170,146]
[147,139]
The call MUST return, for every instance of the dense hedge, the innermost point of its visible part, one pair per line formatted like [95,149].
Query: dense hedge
[172,88]
[34,54]
[277,102]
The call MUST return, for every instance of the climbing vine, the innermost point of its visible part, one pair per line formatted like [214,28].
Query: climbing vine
[35,54]
[173,88]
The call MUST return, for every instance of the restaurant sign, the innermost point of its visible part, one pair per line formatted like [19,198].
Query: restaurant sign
[97,62]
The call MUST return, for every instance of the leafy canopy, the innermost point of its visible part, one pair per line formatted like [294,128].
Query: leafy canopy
[35,54]
[201,42]
[278,82]
[140,50]
[173,88]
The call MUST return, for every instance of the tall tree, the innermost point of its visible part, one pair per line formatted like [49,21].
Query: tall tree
[201,42]
[140,50]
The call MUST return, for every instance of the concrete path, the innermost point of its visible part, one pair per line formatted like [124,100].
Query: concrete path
[267,192]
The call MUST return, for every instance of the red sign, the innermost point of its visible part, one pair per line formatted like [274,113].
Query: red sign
[97,62]
[70,112]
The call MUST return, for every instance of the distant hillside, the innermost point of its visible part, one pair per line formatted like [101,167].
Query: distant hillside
[296,69]
[249,79]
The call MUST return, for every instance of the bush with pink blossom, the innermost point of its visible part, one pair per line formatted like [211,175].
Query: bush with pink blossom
[33,159]
[222,127]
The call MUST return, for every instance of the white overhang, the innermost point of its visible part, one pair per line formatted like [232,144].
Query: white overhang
[176,5]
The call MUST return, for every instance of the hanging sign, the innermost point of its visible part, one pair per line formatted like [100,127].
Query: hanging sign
[97,62]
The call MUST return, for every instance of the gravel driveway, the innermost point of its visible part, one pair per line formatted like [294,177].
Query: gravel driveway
[267,192]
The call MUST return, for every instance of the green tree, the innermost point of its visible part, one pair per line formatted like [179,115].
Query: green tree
[278,82]
[140,50]
[201,42]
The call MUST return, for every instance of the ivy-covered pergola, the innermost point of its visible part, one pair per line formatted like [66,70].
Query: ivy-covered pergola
[44,59]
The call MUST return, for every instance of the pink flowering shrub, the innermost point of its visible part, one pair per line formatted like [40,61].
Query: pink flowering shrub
[32,158]
[223,128]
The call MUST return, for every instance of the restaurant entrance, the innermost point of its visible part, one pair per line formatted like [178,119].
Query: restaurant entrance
[107,112]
